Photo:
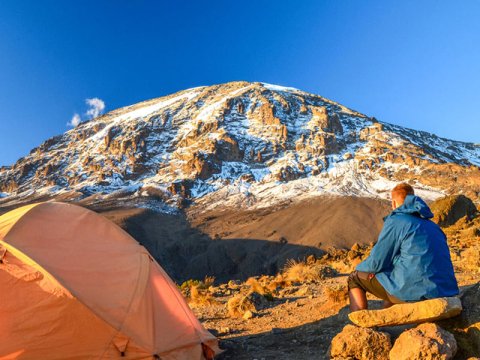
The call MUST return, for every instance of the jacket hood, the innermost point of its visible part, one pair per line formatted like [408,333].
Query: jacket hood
[415,206]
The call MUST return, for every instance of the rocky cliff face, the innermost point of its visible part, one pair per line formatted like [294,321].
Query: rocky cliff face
[240,144]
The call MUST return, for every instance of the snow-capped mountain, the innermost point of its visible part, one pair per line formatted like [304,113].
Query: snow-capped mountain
[240,144]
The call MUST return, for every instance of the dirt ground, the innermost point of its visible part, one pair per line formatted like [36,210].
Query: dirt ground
[293,326]
[319,222]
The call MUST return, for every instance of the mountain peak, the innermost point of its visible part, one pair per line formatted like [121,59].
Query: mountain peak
[239,144]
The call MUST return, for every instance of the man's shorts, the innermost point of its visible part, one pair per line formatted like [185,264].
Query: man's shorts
[369,283]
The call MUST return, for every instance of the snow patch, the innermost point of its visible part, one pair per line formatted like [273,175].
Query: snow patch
[279,88]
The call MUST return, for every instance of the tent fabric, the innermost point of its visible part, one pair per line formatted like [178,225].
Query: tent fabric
[73,285]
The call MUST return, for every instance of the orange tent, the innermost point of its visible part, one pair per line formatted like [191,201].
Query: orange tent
[73,285]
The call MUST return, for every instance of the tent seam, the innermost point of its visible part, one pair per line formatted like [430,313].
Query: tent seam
[135,293]
[175,292]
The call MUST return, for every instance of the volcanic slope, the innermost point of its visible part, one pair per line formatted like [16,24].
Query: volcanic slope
[240,144]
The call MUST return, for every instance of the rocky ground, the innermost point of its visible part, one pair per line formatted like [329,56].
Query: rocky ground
[299,323]
[298,312]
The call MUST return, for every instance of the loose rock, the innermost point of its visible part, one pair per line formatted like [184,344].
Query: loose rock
[238,305]
[466,327]
[409,313]
[247,315]
[450,209]
[426,342]
[360,343]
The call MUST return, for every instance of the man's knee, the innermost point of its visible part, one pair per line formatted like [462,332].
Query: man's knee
[353,281]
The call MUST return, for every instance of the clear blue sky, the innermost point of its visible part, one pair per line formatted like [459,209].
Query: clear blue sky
[412,63]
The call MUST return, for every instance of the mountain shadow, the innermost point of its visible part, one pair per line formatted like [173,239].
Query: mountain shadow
[187,253]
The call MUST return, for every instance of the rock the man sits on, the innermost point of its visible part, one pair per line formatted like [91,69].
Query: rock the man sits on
[410,261]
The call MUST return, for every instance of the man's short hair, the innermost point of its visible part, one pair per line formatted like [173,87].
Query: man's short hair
[402,190]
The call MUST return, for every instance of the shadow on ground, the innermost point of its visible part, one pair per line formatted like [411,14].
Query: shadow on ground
[187,253]
[308,341]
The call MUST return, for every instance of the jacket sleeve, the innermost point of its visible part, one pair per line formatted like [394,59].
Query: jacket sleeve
[384,251]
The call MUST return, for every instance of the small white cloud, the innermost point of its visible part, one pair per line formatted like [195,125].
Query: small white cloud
[96,107]
[75,121]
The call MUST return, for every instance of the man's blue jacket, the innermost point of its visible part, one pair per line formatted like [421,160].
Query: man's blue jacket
[411,258]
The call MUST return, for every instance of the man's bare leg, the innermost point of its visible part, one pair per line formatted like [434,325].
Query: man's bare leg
[358,299]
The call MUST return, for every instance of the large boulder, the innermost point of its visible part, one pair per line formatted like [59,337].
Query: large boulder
[448,210]
[361,344]
[408,313]
[466,327]
[426,342]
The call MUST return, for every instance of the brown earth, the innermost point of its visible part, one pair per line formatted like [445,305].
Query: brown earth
[300,322]
[320,222]
[231,244]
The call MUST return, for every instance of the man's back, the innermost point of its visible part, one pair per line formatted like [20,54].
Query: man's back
[411,259]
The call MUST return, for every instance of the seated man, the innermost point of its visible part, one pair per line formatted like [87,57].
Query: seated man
[410,260]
